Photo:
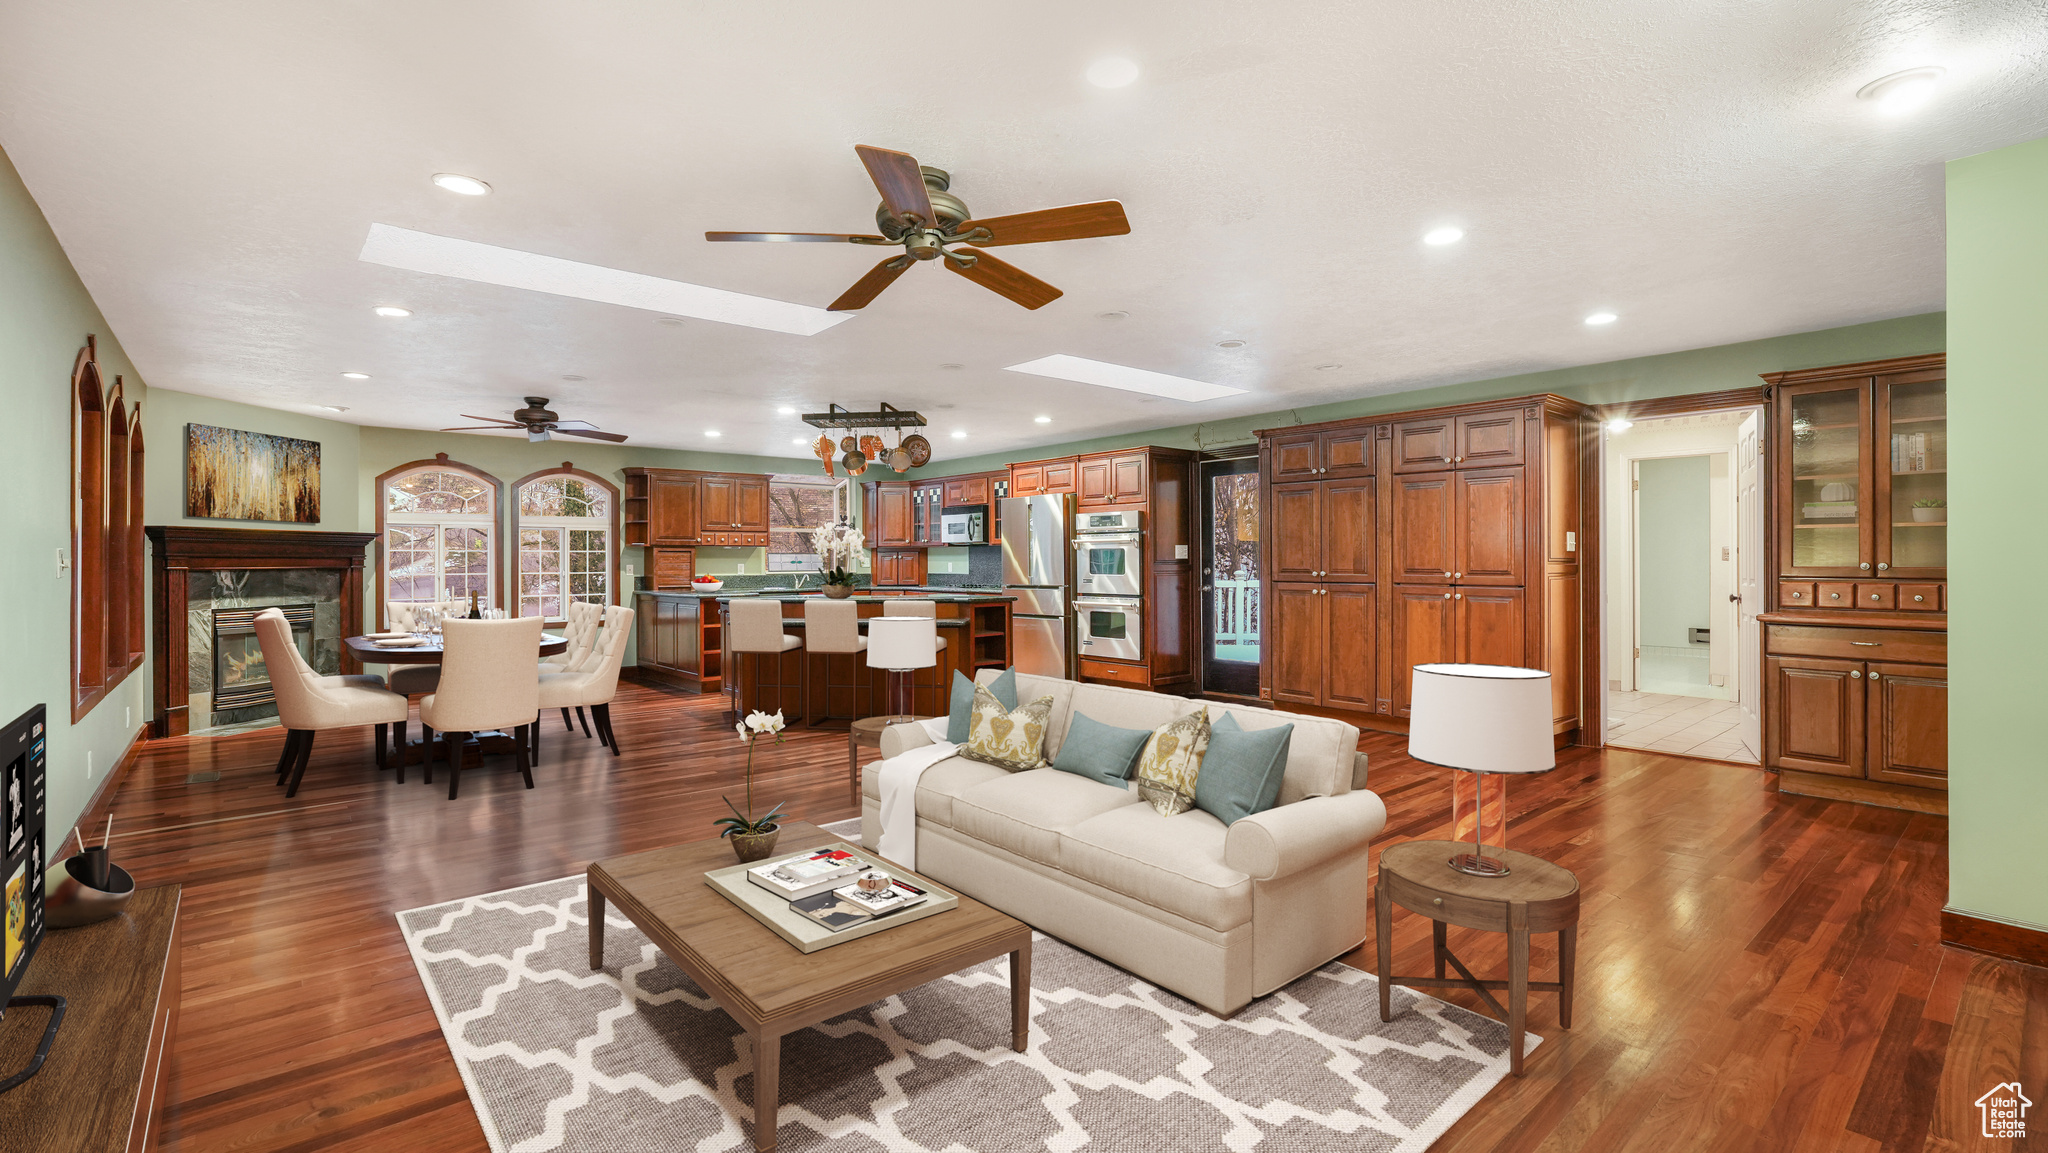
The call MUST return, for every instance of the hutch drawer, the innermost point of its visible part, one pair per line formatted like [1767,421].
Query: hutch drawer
[1855,644]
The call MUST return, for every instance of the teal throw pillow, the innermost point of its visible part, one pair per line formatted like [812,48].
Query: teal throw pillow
[1100,752]
[962,709]
[1241,771]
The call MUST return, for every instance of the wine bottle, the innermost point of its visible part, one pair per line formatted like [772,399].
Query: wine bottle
[474,614]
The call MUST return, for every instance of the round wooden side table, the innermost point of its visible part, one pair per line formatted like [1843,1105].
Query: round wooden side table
[1534,897]
[867,731]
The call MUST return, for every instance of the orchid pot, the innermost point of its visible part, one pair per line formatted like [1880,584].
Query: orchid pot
[754,837]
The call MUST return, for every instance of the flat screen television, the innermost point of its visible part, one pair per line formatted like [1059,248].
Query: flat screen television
[24,793]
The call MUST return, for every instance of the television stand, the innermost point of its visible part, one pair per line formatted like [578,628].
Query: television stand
[56,1007]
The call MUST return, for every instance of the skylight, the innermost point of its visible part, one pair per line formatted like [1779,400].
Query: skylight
[488,264]
[1078,368]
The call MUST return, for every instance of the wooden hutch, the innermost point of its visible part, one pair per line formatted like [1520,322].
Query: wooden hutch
[1855,680]
[1453,534]
[902,519]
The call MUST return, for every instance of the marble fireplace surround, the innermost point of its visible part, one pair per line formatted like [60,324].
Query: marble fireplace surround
[196,569]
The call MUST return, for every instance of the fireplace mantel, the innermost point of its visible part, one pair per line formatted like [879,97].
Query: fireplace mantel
[179,550]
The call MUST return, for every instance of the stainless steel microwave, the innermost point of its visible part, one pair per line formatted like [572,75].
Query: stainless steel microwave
[964,526]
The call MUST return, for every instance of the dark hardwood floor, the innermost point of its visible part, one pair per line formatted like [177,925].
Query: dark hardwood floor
[1756,971]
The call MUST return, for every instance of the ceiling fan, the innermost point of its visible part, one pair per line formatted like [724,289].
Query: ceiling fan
[919,213]
[539,423]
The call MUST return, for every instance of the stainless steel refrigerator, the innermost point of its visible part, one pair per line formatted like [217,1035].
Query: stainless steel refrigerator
[1037,554]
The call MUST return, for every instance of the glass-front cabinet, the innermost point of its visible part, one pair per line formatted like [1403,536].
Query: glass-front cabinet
[1912,488]
[1826,442]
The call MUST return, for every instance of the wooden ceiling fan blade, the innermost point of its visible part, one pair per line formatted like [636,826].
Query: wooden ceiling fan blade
[798,237]
[1073,222]
[870,286]
[898,179]
[592,433]
[499,420]
[1005,279]
[484,428]
[569,425]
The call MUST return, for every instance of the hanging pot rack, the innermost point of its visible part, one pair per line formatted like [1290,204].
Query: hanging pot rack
[888,416]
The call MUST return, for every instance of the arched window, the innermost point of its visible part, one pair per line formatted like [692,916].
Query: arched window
[566,540]
[437,524]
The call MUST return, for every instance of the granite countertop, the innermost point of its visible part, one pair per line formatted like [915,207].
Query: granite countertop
[926,592]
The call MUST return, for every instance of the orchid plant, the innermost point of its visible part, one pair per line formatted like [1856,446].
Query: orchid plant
[839,547]
[757,725]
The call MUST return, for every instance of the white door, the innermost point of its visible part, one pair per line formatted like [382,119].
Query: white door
[1749,567]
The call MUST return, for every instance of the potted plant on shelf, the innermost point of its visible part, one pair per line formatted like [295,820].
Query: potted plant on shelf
[839,547]
[754,838]
[1930,510]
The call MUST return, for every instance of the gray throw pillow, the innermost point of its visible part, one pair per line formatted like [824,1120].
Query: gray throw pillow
[1241,771]
[961,711]
[1100,752]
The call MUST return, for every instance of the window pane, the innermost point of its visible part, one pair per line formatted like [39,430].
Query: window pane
[409,555]
[437,490]
[564,496]
[795,509]
[466,563]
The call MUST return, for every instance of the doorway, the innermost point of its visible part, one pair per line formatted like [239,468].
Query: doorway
[1231,612]
[1684,515]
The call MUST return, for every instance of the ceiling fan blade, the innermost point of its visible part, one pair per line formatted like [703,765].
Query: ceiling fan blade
[484,428]
[1075,221]
[870,286]
[897,177]
[591,433]
[570,425]
[500,420]
[1006,279]
[799,237]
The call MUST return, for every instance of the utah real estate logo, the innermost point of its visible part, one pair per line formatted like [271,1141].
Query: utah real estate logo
[2004,1110]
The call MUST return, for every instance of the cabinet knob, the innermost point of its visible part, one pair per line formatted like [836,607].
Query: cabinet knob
[1436,901]
[1447,596]
[1447,576]
[1917,598]
[1865,566]
[1874,676]
[1874,596]
[1458,460]
[1883,565]
[1447,460]
[1834,596]
[1854,675]
[1458,596]
[1798,596]
[1457,576]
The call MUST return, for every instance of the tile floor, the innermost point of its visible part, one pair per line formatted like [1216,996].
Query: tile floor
[1682,671]
[1670,723]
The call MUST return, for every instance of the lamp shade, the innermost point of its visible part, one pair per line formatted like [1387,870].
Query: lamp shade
[902,642]
[1481,718]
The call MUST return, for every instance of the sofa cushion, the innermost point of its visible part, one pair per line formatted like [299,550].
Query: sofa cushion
[1030,688]
[1100,752]
[1319,752]
[961,711]
[1241,770]
[938,787]
[1004,738]
[1171,761]
[1171,863]
[1027,812]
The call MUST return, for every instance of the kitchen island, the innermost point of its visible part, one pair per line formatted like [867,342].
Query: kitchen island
[681,641]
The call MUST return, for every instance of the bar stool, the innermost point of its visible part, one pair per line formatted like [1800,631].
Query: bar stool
[901,644]
[830,627]
[756,628]
[905,608]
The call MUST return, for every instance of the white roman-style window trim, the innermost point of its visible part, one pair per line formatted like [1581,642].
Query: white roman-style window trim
[438,534]
[565,542]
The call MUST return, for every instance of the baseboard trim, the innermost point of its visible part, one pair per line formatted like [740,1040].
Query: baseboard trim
[1883,794]
[2001,939]
[89,817]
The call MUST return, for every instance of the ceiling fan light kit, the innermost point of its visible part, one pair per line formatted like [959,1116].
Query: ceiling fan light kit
[920,213]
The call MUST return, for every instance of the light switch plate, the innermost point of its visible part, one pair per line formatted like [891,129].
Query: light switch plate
[1180,552]
[1571,542]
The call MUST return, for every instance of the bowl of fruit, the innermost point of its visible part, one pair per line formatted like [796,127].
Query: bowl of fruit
[706,584]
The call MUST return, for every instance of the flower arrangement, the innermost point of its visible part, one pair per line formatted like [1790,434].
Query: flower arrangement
[839,547]
[757,725]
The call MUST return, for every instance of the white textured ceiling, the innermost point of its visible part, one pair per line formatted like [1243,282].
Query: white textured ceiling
[1700,167]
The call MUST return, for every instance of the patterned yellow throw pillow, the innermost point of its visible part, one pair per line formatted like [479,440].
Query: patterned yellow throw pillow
[1171,761]
[1009,740]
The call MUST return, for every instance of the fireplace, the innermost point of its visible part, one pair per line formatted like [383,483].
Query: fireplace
[240,679]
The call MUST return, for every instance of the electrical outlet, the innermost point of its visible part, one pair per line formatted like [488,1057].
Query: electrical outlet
[743,568]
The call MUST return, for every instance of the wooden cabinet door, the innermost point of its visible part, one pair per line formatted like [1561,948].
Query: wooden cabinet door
[1424,549]
[1350,652]
[1348,452]
[718,499]
[1814,713]
[1425,633]
[1425,445]
[1823,466]
[924,518]
[1487,527]
[1127,478]
[672,509]
[672,568]
[1488,439]
[752,500]
[1909,724]
[1095,482]
[1295,620]
[1350,508]
[1491,627]
[1027,480]
[1296,457]
[1296,522]
[893,520]
[1059,476]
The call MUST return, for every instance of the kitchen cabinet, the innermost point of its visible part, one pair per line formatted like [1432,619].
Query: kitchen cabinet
[671,568]
[899,567]
[1816,715]
[1327,637]
[1438,625]
[1323,531]
[890,522]
[1863,703]
[966,490]
[672,507]
[1486,528]
[718,500]
[926,502]
[1425,513]
[1042,476]
[1460,440]
[1907,708]
[1095,482]
[751,501]
[1112,478]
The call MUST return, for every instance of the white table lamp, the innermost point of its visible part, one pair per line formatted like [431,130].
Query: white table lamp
[1481,719]
[899,645]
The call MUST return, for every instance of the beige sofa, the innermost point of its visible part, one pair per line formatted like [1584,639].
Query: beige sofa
[1219,915]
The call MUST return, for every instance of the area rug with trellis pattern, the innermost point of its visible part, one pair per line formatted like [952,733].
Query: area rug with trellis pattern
[637,1057]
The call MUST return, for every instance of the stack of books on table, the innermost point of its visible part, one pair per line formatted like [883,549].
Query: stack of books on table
[813,901]
[797,877]
[843,908]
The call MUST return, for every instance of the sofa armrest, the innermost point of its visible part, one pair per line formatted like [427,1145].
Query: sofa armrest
[901,738]
[1286,840]
[1358,770]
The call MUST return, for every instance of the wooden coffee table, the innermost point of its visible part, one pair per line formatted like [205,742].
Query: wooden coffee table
[763,982]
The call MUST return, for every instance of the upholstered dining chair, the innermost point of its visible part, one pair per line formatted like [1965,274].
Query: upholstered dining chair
[308,702]
[490,679]
[411,680]
[756,627]
[898,607]
[582,621]
[594,682]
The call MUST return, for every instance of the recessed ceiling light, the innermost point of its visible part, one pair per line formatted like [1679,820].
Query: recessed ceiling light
[1601,318]
[1113,315]
[355,376]
[572,377]
[389,310]
[1112,72]
[1327,367]
[335,407]
[465,185]
[1063,367]
[511,268]
[1902,92]
[712,432]
[1443,236]
[959,434]
[1619,425]
[949,364]
[1041,420]
[1230,344]
[786,410]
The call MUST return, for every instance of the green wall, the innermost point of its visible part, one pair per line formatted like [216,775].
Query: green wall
[1998,404]
[45,314]
[1672,552]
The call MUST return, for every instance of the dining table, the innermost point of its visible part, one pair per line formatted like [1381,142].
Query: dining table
[429,652]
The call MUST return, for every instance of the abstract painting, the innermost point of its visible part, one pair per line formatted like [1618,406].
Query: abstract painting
[236,475]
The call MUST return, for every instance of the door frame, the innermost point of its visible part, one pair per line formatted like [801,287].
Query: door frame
[1727,532]
[1245,461]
